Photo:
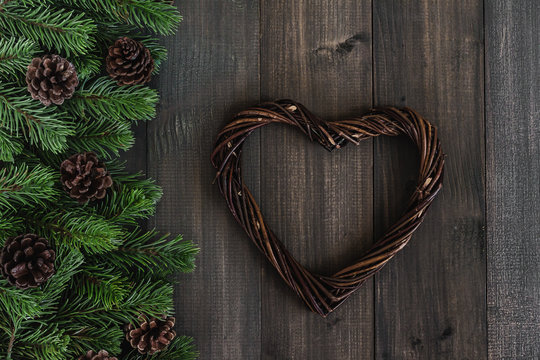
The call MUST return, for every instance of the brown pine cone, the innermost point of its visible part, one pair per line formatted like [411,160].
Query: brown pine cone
[152,335]
[27,261]
[51,79]
[129,62]
[85,177]
[101,355]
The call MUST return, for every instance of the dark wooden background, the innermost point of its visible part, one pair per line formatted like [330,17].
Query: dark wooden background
[468,284]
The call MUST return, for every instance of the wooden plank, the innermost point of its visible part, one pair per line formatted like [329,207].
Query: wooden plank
[431,299]
[212,73]
[513,180]
[319,204]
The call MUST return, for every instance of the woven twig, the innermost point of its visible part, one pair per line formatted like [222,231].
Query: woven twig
[322,294]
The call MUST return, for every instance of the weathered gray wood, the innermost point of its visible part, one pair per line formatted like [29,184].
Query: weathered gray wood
[430,299]
[513,178]
[212,73]
[318,204]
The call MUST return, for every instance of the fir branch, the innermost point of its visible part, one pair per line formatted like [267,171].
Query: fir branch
[9,146]
[147,295]
[17,303]
[103,136]
[62,30]
[103,98]
[85,335]
[68,263]
[107,274]
[158,52]
[130,201]
[160,257]
[87,65]
[44,341]
[151,297]
[158,15]
[10,224]
[15,56]
[78,228]
[181,348]
[21,116]
[102,286]
[22,186]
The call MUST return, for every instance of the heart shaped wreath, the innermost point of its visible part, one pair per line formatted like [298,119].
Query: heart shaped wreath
[323,294]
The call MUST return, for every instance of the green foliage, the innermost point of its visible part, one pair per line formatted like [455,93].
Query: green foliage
[133,198]
[102,97]
[108,269]
[87,65]
[103,135]
[9,146]
[17,303]
[158,255]
[158,15]
[80,229]
[15,55]
[20,186]
[181,348]
[55,29]
[27,119]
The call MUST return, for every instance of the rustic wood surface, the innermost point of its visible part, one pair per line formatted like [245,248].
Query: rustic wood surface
[513,183]
[468,284]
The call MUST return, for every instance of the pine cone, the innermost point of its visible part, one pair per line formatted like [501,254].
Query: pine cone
[129,62]
[27,261]
[85,177]
[101,355]
[51,79]
[152,335]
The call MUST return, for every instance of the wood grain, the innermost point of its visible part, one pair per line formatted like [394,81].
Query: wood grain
[318,204]
[212,73]
[513,178]
[430,300]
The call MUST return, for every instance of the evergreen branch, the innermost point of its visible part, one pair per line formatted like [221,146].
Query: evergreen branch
[68,263]
[78,228]
[149,296]
[86,335]
[103,98]
[22,186]
[181,348]
[103,136]
[15,56]
[10,225]
[160,16]
[9,146]
[160,257]
[102,286]
[106,276]
[158,52]
[44,341]
[62,30]
[42,126]
[130,201]
[87,65]
[109,32]
[18,303]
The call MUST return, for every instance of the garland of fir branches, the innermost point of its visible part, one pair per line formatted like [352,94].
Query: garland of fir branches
[109,271]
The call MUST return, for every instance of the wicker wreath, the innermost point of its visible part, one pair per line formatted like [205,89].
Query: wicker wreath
[322,293]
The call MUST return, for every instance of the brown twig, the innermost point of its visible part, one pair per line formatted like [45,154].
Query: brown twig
[321,293]
[11,343]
